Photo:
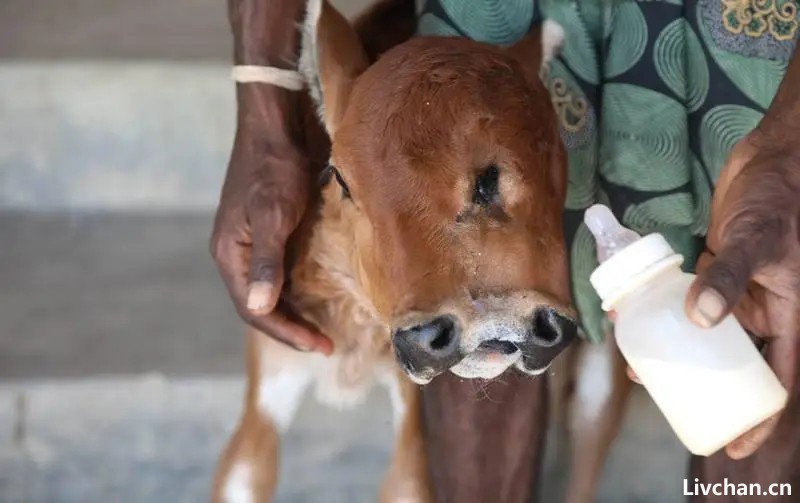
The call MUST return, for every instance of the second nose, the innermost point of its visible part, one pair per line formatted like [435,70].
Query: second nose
[431,344]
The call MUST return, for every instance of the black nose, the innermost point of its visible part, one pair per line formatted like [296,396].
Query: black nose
[551,328]
[549,333]
[431,346]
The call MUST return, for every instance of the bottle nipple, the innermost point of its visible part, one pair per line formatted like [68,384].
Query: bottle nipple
[610,236]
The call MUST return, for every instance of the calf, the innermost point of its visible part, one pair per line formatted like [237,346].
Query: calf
[436,245]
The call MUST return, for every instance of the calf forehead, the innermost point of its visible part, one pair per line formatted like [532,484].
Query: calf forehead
[434,107]
[424,94]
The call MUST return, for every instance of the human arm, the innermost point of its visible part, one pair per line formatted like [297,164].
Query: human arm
[265,192]
[752,261]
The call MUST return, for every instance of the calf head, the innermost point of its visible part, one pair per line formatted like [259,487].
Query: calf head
[450,183]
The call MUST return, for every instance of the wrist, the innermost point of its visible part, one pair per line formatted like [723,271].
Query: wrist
[781,122]
[268,111]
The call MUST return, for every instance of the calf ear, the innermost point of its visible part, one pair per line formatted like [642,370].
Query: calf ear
[332,58]
[552,39]
[538,47]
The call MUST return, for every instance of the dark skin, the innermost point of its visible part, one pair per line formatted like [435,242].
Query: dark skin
[265,193]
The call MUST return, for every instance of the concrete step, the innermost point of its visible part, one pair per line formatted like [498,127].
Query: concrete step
[114,135]
[84,294]
[143,439]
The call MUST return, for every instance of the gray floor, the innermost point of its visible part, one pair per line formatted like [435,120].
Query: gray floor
[120,377]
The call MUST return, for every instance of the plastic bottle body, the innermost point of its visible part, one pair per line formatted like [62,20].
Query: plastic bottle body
[712,385]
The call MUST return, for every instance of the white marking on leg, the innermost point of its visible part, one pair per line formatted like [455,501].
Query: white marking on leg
[239,485]
[595,379]
[279,395]
[343,382]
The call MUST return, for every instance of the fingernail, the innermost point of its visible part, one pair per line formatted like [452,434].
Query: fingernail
[710,306]
[301,347]
[258,296]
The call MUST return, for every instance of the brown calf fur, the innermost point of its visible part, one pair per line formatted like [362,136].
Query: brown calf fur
[405,232]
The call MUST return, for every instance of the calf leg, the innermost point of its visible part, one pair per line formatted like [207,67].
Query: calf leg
[247,471]
[407,479]
[595,415]
[276,378]
[484,439]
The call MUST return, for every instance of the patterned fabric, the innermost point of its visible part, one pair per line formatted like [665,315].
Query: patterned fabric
[651,97]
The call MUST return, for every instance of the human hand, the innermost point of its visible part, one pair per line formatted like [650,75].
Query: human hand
[751,266]
[263,200]
[752,261]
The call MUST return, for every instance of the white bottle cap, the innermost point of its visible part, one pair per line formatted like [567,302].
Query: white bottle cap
[629,259]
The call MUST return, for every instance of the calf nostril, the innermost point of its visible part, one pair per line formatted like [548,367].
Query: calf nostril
[543,326]
[428,349]
[442,340]
[435,336]
[549,333]
[550,327]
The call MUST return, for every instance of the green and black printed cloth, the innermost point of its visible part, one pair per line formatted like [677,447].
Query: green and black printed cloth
[651,97]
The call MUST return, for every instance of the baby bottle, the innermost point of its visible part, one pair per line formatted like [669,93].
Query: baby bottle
[711,384]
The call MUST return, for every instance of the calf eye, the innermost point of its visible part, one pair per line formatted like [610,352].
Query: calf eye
[342,184]
[485,192]
[326,176]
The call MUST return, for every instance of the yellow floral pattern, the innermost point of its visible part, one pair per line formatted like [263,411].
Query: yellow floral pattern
[756,17]
[571,109]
